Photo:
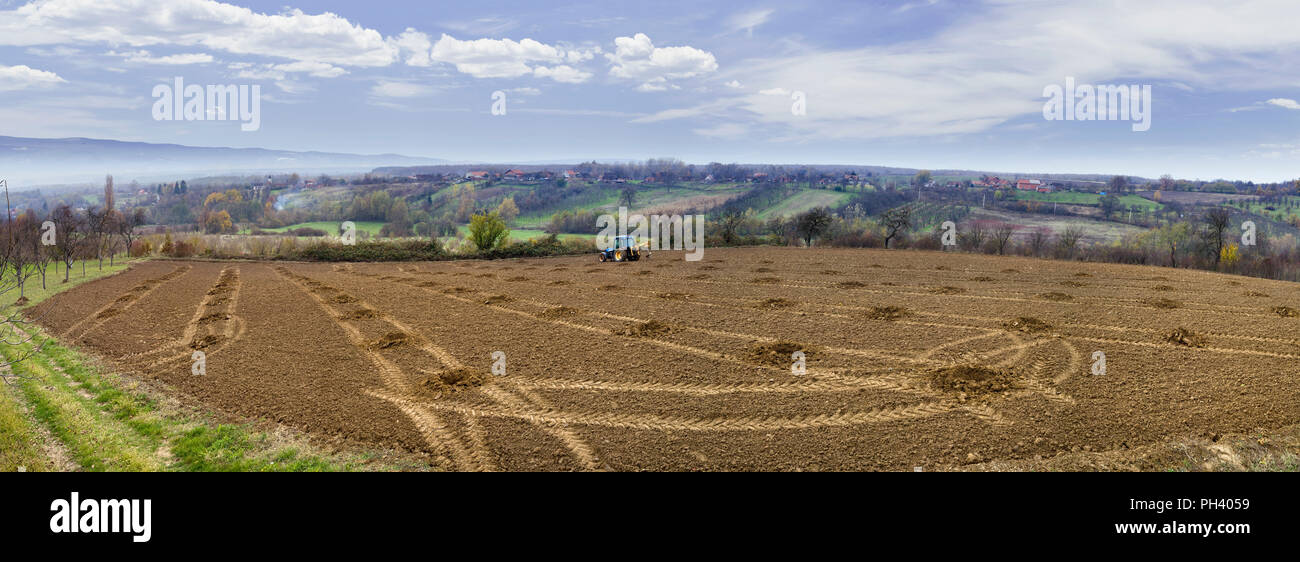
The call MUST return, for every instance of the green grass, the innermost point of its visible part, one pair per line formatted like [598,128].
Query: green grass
[525,234]
[805,200]
[1080,198]
[19,448]
[332,228]
[54,279]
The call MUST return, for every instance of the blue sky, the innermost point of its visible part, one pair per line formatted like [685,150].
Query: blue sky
[915,83]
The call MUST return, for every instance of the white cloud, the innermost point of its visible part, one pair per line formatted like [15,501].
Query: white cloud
[291,34]
[414,46]
[733,84]
[636,58]
[747,21]
[21,77]
[775,92]
[396,89]
[1284,102]
[494,58]
[991,67]
[312,68]
[562,73]
[145,57]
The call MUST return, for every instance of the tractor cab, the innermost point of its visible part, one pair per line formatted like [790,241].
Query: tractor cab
[624,249]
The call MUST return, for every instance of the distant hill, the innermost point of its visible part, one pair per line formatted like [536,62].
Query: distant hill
[28,161]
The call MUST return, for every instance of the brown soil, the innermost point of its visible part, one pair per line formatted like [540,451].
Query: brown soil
[1164,303]
[651,329]
[1183,336]
[1027,324]
[777,353]
[886,312]
[972,380]
[1285,311]
[1056,296]
[689,390]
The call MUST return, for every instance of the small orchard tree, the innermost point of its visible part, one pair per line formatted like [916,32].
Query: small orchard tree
[896,221]
[812,223]
[488,231]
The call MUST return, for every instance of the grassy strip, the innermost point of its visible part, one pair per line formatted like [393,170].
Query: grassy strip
[19,448]
[95,439]
[109,424]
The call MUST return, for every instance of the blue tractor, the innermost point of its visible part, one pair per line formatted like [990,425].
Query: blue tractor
[625,248]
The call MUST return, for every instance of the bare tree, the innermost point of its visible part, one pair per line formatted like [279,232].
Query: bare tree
[126,227]
[896,220]
[973,237]
[1216,224]
[97,221]
[71,236]
[1068,241]
[1002,233]
[1038,240]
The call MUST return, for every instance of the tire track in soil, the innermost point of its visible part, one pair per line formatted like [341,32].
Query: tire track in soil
[984,413]
[992,329]
[215,305]
[126,300]
[437,433]
[576,446]
[745,423]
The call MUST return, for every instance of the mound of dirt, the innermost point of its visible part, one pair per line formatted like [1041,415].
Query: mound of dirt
[699,276]
[645,272]
[1256,294]
[1164,303]
[972,380]
[1183,336]
[982,279]
[946,290]
[213,317]
[453,380]
[344,299]
[777,353]
[360,314]
[766,280]
[204,342]
[21,301]
[427,284]
[830,272]
[1162,288]
[776,303]
[391,339]
[1055,296]
[886,312]
[1073,284]
[609,288]
[1082,274]
[457,290]
[108,313]
[517,279]
[673,296]
[559,312]
[1285,311]
[850,284]
[651,329]
[560,282]
[498,299]
[1010,270]
[941,267]
[1027,324]
[762,270]
[708,267]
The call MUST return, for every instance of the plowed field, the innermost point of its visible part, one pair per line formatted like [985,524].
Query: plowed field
[912,358]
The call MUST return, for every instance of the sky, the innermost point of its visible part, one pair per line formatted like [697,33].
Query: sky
[911,83]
